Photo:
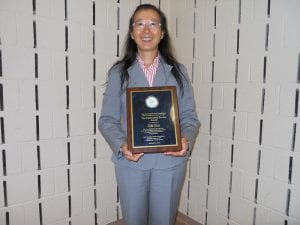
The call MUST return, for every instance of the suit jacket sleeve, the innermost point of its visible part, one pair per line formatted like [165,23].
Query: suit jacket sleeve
[110,119]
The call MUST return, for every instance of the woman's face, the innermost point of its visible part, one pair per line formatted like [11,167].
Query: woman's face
[147,31]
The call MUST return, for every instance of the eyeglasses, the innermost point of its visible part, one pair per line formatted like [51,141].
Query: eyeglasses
[141,24]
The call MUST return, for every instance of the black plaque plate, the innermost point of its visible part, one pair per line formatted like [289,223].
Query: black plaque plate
[152,119]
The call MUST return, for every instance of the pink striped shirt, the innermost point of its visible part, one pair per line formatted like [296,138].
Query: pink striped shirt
[150,70]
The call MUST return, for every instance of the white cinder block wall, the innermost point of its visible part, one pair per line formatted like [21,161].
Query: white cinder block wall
[243,58]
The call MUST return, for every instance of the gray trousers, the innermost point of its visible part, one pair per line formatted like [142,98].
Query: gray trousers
[150,197]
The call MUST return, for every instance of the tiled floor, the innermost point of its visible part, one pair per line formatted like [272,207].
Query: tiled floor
[180,220]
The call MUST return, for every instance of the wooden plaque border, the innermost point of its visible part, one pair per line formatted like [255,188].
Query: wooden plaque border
[130,126]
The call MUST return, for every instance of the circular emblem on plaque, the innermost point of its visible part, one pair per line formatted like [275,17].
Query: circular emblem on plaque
[151,102]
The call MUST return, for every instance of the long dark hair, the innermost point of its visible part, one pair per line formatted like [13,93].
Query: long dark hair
[164,47]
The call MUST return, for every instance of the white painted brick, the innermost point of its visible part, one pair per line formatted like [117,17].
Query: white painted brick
[75,89]
[19,126]
[198,193]
[45,71]
[10,95]
[287,99]
[260,10]
[87,148]
[244,65]
[76,202]
[45,125]
[8,31]
[13,159]
[244,103]
[277,219]
[202,95]
[75,150]
[274,163]
[16,215]
[107,177]
[106,194]
[43,8]
[80,11]
[277,131]
[219,176]
[59,124]
[47,182]
[292,33]
[80,126]
[81,175]
[204,116]
[80,68]
[74,37]
[111,41]
[216,219]
[55,209]
[245,157]
[85,218]
[59,67]
[295,202]
[27,96]
[272,97]
[252,45]
[50,34]
[197,212]
[222,203]
[272,194]
[194,170]
[53,153]
[103,151]
[283,61]
[31,213]
[201,147]
[228,97]
[224,67]
[237,182]
[227,13]
[87,40]
[206,69]
[253,124]
[256,68]
[17,63]
[25,31]
[87,95]
[249,186]
[203,172]
[240,131]
[1,199]
[222,123]
[50,99]
[61,222]
[57,9]
[262,216]
[23,6]
[17,193]
[296,169]
[61,180]
[101,15]
[241,211]
[88,200]
[2,215]
[218,96]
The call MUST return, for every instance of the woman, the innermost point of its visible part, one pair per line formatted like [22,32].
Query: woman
[149,184]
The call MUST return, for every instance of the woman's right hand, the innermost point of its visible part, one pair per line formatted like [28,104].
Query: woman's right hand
[129,155]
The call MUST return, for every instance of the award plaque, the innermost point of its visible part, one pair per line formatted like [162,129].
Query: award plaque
[152,119]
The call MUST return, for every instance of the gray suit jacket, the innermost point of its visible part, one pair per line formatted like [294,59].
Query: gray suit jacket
[113,120]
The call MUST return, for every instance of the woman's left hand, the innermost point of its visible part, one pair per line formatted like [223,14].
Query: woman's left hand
[183,151]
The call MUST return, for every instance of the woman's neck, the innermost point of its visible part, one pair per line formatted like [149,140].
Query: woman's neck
[148,57]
